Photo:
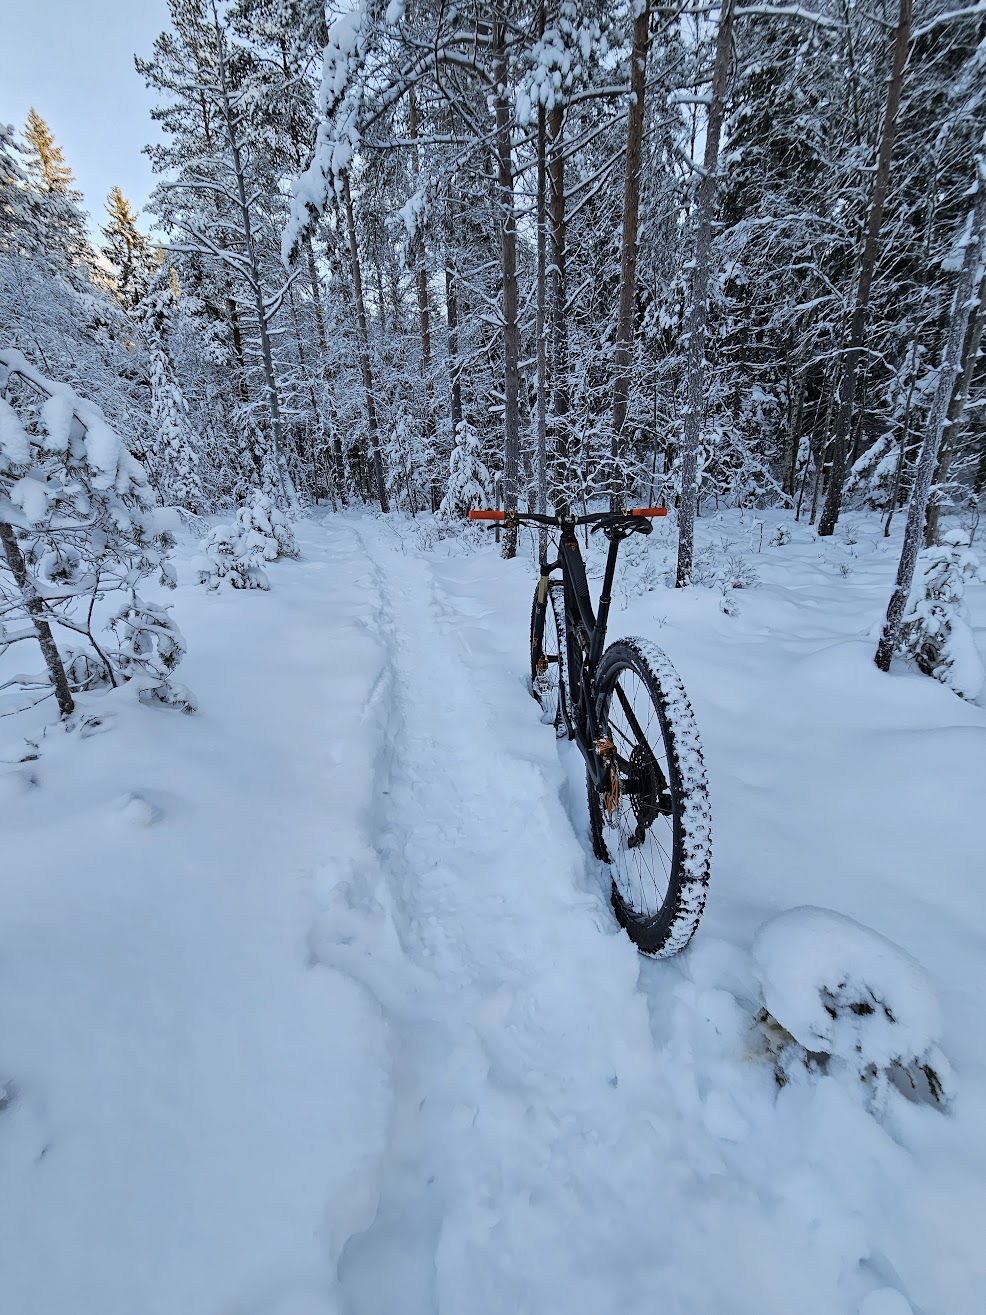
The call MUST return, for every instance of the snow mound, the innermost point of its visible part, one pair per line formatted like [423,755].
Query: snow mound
[885,1301]
[851,1000]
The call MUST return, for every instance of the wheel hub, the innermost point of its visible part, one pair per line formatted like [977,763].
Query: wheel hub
[643,787]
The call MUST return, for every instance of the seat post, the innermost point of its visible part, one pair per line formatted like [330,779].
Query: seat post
[605,598]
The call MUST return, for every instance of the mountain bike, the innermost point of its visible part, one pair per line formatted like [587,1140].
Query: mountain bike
[627,711]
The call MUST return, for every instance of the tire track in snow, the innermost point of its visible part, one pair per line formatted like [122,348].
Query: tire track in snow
[535,1161]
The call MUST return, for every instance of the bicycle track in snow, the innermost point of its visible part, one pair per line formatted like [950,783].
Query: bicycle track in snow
[543,1153]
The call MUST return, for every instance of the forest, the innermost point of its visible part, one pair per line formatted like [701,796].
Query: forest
[368,985]
[539,255]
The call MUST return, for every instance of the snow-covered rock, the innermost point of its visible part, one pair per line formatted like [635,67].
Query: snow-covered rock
[852,1000]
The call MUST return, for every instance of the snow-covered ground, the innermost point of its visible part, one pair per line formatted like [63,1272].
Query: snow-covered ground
[313,1002]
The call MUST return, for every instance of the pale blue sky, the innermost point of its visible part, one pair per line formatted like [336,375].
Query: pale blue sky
[74,63]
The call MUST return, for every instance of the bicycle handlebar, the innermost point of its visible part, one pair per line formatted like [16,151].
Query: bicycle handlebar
[532,517]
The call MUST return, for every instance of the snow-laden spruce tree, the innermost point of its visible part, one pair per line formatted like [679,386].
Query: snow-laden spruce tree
[406,452]
[469,482]
[936,631]
[173,447]
[77,524]
[128,252]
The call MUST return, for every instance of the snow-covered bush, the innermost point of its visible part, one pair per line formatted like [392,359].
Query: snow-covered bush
[873,476]
[78,523]
[843,1000]
[936,632]
[263,530]
[150,646]
[222,567]
[233,553]
[720,567]
[640,571]
[781,536]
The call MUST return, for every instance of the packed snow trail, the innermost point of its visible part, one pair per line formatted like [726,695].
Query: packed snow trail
[314,1003]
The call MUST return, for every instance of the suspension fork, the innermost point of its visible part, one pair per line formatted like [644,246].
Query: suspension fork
[541,606]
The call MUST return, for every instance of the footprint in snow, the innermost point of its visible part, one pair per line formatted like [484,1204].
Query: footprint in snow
[885,1301]
[18,782]
[137,810]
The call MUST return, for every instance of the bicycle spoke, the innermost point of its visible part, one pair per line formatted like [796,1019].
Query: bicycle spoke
[644,861]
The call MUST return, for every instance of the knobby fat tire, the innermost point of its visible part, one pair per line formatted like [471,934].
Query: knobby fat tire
[669,930]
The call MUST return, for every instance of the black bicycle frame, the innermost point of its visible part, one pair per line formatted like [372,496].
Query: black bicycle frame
[586,636]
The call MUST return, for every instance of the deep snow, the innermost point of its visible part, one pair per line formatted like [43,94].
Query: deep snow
[313,1002]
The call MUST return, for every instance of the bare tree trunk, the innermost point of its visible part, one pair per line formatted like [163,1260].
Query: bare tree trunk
[623,357]
[452,317]
[508,260]
[237,335]
[949,370]
[35,609]
[960,395]
[560,431]
[424,311]
[867,266]
[539,328]
[364,347]
[796,393]
[323,337]
[698,311]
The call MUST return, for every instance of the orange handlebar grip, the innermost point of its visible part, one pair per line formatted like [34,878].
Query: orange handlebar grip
[486,515]
[648,511]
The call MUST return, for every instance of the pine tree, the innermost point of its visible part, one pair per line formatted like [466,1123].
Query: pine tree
[45,161]
[128,251]
[58,223]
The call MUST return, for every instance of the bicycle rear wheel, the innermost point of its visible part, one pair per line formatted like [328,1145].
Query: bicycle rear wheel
[549,658]
[653,825]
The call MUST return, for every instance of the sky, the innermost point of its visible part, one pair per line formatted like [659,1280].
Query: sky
[74,63]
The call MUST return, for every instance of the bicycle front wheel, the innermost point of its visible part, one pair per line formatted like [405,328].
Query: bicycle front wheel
[653,823]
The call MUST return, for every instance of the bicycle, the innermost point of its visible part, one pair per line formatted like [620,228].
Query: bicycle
[627,711]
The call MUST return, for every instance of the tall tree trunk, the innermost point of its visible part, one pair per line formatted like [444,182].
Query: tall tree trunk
[339,472]
[949,370]
[698,311]
[539,327]
[452,316]
[623,357]
[797,383]
[560,430]
[236,332]
[960,395]
[867,266]
[364,347]
[35,610]
[508,261]
[424,310]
